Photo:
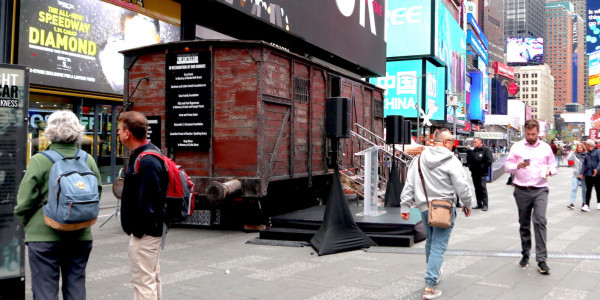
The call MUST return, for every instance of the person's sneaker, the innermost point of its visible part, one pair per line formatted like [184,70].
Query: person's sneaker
[431,293]
[543,268]
[585,208]
[571,206]
[524,262]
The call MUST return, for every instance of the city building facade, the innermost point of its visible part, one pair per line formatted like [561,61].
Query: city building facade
[581,10]
[524,18]
[564,54]
[537,90]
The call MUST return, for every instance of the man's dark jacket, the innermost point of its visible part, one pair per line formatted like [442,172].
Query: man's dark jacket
[479,160]
[144,195]
[591,162]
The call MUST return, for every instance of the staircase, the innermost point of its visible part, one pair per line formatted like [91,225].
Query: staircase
[352,174]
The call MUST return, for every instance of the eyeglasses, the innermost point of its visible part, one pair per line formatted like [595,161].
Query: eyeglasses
[446,140]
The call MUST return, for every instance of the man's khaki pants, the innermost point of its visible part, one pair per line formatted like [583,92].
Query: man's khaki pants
[145,267]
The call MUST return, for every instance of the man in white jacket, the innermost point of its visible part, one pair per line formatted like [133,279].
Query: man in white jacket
[444,178]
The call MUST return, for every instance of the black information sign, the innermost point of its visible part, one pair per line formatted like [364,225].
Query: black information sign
[188,100]
[154,130]
[14,98]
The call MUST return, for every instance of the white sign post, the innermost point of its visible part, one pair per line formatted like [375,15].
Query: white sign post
[370,181]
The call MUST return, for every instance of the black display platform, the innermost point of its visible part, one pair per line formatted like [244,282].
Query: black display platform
[388,229]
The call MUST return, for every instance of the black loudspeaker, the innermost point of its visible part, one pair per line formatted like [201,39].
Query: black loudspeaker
[406,136]
[393,129]
[337,122]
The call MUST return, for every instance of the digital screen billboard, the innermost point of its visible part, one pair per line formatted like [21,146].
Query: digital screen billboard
[408,20]
[451,49]
[353,30]
[76,44]
[592,37]
[594,78]
[525,50]
[403,89]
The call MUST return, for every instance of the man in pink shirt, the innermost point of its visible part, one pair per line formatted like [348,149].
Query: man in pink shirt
[532,161]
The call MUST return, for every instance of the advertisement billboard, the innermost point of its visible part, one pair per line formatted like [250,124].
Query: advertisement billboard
[403,86]
[525,50]
[450,48]
[594,78]
[473,25]
[477,46]
[408,20]
[76,44]
[435,93]
[592,37]
[504,70]
[351,29]
[475,111]
[14,101]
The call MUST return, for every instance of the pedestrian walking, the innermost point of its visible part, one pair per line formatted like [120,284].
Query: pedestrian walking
[444,178]
[143,206]
[480,159]
[532,161]
[558,152]
[54,255]
[577,157]
[590,169]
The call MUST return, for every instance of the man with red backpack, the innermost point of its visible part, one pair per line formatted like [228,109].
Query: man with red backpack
[143,205]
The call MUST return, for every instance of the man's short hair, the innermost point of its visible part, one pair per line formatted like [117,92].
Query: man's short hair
[478,139]
[440,135]
[532,123]
[135,122]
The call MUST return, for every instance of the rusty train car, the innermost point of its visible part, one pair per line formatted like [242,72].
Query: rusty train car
[265,150]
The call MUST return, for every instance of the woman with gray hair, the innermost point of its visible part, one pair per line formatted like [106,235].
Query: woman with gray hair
[52,252]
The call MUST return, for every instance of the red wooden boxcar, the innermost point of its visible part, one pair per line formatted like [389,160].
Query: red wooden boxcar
[268,151]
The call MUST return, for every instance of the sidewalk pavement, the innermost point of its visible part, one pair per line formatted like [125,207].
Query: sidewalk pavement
[481,262]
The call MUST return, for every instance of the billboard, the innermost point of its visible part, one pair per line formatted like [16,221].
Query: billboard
[408,20]
[351,29]
[76,44]
[525,50]
[14,101]
[475,107]
[451,49]
[403,89]
[594,78]
[592,37]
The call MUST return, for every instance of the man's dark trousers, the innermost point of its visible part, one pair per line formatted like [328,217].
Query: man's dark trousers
[532,202]
[479,182]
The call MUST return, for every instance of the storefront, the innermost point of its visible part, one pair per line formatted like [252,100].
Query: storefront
[98,117]
[72,50]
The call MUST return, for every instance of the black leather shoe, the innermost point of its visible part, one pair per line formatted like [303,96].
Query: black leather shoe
[476,207]
[484,208]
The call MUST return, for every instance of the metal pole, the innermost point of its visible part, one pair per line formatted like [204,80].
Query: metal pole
[454,124]
[419,112]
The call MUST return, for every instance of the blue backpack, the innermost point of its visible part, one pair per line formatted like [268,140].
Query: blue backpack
[73,198]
